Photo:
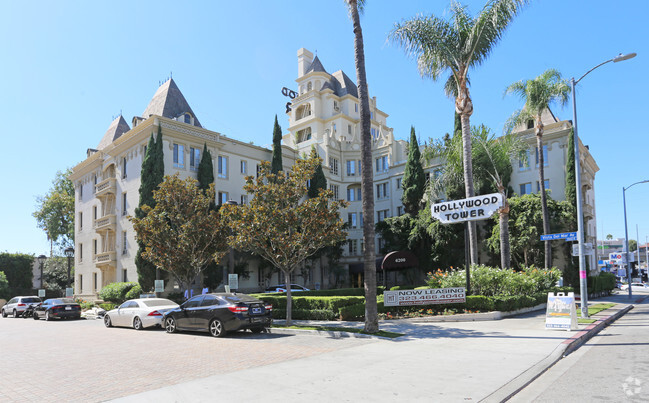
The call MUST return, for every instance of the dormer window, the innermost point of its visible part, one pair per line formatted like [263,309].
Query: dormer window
[187,118]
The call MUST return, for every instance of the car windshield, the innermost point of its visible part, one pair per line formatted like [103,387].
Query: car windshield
[158,302]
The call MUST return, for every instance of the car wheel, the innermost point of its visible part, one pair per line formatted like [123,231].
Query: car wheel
[15,314]
[47,315]
[4,314]
[257,329]
[170,325]
[137,323]
[35,316]
[107,321]
[216,328]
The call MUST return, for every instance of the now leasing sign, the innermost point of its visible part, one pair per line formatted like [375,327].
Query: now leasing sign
[424,297]
[471,209]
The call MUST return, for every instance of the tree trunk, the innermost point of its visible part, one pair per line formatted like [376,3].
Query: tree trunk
[505,252]
[367,180]
[544,201]
[468,181]
[289,301]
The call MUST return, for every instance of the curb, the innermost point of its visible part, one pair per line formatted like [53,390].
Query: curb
[514,386]
[335,334]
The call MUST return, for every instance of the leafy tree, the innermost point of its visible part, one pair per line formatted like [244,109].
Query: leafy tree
[633,245]
[18,269]
[355,8]
[457,46]
[280,224]
[276,164]
[182,234]
[538,94]
[609,237]
[55,211]
[5,292]
[318,181]
[151,175]
[55,274]
[414,180]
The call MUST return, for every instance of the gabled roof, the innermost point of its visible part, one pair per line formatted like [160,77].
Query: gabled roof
[115,130]
[169,102]
[341,85]
[316,66]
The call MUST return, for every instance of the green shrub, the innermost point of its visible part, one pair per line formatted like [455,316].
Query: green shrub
[116,292]
[134,292]
[107,306]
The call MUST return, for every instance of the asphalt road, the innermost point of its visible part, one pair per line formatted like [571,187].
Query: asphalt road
[612,367]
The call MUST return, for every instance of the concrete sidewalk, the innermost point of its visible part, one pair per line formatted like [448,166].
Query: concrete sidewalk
[435,361]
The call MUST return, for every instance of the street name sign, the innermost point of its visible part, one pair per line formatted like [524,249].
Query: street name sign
[568,236]
[561,312]
[471,209]
[427,296]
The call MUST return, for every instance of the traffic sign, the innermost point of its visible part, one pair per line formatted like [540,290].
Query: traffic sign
[568,236]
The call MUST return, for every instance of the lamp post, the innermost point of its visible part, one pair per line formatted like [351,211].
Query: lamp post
[69,253]
[230,268]
[626,236]
[41,261]
[583,284]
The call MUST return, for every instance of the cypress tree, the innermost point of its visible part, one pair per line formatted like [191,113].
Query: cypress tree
[414,180]
[571,191]
[205,170]
[276,163]
[318,181]
[151,176]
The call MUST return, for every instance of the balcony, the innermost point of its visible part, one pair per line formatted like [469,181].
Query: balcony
[106,187]
[106,223]
[589,212]
[106,259]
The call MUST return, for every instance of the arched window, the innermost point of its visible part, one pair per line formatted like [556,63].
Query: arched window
[309,86]
[303,111]
[304,135]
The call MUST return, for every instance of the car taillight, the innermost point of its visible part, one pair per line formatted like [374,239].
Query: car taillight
[21,304]
[268,307]
[155,313]
[238,309]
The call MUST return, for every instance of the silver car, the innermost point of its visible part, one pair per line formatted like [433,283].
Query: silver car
[17,305]
[139,313]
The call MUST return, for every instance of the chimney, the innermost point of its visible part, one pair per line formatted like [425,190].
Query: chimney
[304,60]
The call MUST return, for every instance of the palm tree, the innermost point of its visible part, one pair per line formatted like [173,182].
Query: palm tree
[355,7]
[538,94]
[456,46]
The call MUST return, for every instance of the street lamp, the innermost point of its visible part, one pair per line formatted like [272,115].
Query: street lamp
[583,284]
[69,252]
[230,268]
[41,261]
[626,236]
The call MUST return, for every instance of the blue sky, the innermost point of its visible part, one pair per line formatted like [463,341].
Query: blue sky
[68,68]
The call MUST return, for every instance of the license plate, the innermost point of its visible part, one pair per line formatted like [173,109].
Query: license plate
[68,308]
[256,310]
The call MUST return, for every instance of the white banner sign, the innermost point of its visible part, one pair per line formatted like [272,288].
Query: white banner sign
[471,209]
[561,312]
[588,249]
[233,281]
[424,297]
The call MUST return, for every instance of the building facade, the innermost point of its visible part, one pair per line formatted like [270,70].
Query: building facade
[325,115]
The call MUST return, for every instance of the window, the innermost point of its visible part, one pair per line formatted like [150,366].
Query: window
[223,197]
[94,212]
[530,124]
[373,132]
[352,246]
[94,280]
[349,129]
[437,173]
[194,157]
[382,164]
[383,191]
[399,211]
[124,244]
[304,135]
[124,168]
[353,194]
[209,300]
[179,156]
[80,283]
[334,190]
[309,86]
[399,183]
[546,183]
[94,247]
[356,107]
[258,170]
[351,168]
[524,161]
[124,203]
[244,167]
[372,115]
[526,188]
[188,119]
[244,199]
[222,166]
[333,165]
[124,275]
[80,252]
[81,191]
[352,220]
[545,156]
[95,186]
[382,215]
[80,221]
[336,106]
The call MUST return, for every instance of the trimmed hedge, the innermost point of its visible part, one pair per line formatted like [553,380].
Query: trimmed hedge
[116,292]
[310,307]
[336,292]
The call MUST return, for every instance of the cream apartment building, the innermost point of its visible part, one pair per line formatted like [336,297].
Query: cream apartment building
[324,115]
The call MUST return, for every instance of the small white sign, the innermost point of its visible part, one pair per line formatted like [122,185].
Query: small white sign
[588,249]
[41,293]
[561,312]
[233,281]
[159,285]
[424,297]
[69,292]
[471,209]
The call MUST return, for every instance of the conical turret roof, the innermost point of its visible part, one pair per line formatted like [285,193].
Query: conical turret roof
[115,130]
[169,102]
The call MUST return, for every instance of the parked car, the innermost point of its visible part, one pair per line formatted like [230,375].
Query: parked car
[635,286]
[282,288]
[61,308]
[139,313]
[219,313]
[17,305]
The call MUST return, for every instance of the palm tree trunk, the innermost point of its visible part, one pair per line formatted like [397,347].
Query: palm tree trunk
[468,180]
[367,180]
[505,251]
[544,201]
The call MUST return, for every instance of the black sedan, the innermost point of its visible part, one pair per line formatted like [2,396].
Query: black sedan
[219,313]
[62,308]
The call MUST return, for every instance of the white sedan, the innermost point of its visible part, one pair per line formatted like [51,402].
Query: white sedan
[635,287]
[139,313]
